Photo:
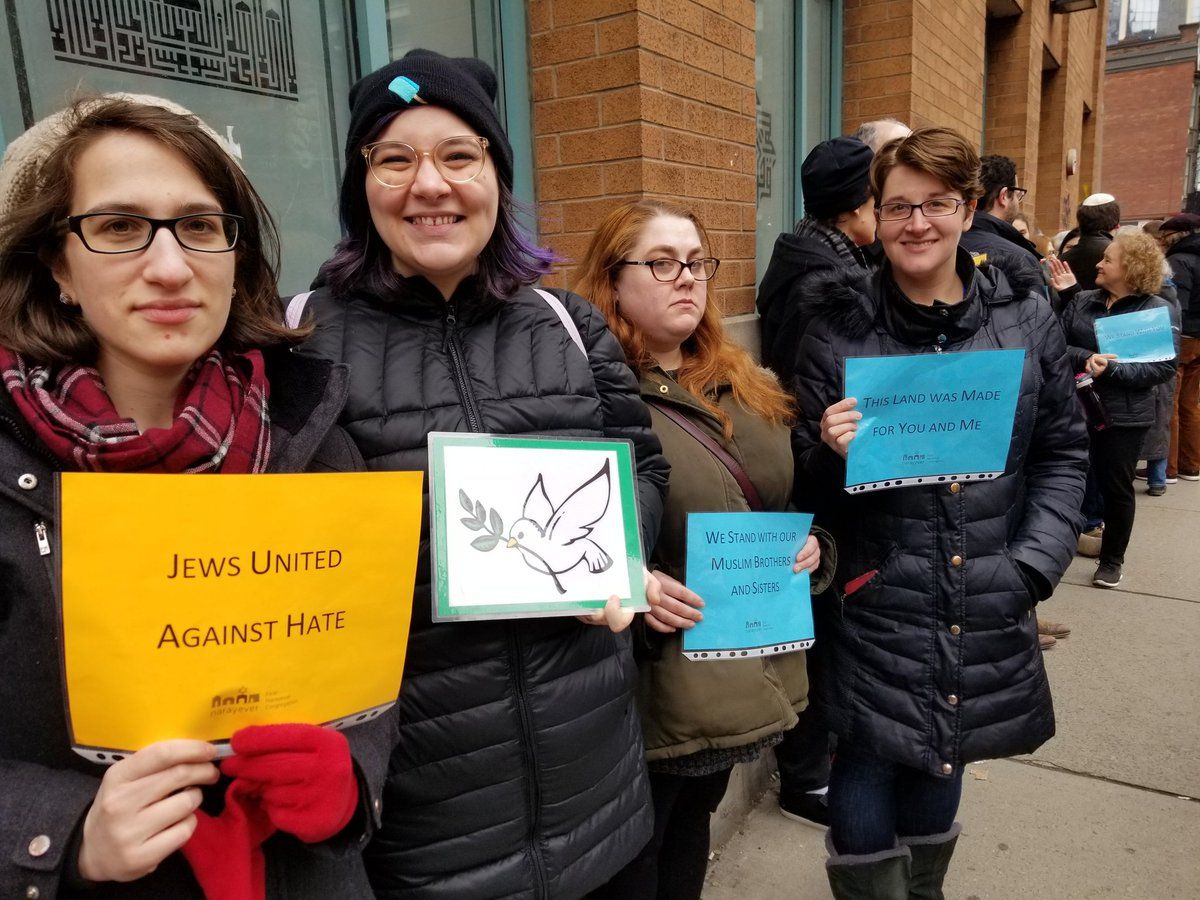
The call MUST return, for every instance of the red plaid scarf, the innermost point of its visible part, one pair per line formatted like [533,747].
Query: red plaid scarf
[221,420]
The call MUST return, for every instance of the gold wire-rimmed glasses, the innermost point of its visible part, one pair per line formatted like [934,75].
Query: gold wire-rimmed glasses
[458,159]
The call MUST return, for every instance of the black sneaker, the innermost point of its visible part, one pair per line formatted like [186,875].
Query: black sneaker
[1156,490]
[1108,575]
[811,809]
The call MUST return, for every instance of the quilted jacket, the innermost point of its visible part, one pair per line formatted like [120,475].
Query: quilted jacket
[933,660]
[519,771]
[1127,390]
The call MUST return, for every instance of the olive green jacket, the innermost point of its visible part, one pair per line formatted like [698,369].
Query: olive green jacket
[689,706]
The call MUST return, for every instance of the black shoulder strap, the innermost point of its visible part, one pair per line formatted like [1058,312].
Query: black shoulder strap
[723,456]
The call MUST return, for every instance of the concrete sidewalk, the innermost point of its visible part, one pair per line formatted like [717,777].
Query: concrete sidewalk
[1111,806]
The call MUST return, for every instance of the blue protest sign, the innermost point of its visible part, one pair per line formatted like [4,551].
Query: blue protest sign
[741,566]
[931,417]
[1143,336]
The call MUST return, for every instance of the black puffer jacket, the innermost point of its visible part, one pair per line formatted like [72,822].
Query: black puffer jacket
[1127,390]
[520,768]
[786,296]
[45,788]
[935,662]
[1004,247]
[1184,257]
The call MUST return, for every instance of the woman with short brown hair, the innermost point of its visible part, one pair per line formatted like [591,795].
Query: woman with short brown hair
[931,656]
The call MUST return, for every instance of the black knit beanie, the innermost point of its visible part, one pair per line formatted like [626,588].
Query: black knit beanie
[835,177]
[464,86]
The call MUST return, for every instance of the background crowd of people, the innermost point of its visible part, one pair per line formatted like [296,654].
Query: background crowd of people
[140,331]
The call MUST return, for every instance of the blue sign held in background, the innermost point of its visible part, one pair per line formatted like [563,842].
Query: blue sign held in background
[741,566]
[931,417]
[1143,336]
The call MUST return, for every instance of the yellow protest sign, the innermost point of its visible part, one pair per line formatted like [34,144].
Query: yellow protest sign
[195,605]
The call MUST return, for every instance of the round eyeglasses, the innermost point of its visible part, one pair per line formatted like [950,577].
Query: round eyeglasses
[457,159]
[120,232]
[667,269]
[930,209]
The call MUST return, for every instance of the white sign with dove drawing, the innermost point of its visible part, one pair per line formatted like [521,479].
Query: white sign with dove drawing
[532,526]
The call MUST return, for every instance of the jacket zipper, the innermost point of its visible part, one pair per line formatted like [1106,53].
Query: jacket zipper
[32,446]
[474,423]
[535,798]
[43,541]
[454,347]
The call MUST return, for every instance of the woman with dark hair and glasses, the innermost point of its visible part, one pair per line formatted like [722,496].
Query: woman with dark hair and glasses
[931,653]
[519,770]
[647,271]
[139,332]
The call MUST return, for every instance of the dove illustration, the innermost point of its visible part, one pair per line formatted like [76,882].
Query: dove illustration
[555,540]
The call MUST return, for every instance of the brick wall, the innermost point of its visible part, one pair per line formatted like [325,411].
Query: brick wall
[877,57]
[1070,116]
[1146,138]
[1014,94]
[923,62]
[636,98]
[948,44]
[920,61]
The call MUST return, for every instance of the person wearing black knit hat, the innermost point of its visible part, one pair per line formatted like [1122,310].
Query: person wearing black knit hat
[838,220]
[519,770]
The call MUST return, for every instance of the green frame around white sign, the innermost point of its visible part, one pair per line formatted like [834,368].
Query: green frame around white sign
[441,506]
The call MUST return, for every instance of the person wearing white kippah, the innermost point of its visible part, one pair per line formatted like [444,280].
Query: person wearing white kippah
[1098,217]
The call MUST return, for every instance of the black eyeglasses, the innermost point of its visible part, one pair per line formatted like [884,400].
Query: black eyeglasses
[119,232]
[1017,193]
[667,269]
[930,209]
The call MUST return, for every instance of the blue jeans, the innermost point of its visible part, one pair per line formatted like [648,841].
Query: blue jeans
[1156,472]
[872,801]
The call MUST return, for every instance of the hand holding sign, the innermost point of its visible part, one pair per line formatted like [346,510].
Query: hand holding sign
[839,425]
[808,559]
[145,810]
[680,607]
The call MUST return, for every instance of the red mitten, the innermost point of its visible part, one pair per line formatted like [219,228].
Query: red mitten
[225,852]
[303,773]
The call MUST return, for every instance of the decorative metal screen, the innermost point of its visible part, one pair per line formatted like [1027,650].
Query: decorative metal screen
[242,45]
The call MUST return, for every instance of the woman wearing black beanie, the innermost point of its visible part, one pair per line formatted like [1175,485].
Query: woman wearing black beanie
[519,771]
[839,218]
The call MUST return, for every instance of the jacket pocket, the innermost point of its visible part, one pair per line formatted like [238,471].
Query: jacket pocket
[1023,589]
[867,583]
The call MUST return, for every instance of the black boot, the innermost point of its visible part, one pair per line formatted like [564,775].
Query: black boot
[930,860]
[869,876]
